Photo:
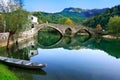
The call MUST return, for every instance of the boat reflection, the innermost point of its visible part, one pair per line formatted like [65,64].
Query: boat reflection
[27,71]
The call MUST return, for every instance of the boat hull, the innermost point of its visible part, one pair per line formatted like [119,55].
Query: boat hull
[23,64]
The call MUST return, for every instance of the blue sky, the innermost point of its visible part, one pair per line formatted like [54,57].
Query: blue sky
[59,5]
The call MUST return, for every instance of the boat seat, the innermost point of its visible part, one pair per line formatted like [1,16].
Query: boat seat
[40,64]
[19,62]
[3,59]
[30,63]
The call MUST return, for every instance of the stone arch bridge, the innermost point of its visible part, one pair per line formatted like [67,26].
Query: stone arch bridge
[62,28]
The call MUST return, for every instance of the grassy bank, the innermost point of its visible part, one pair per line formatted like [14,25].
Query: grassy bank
[6,74]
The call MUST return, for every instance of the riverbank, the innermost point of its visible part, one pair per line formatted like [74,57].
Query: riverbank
[4,43]
[110,37]
[22,36]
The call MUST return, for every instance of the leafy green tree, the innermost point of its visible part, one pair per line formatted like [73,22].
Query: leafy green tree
[1,22]
[1,18]
[15,16]
[62,20]
[40,21]
[114,25]
[15,22]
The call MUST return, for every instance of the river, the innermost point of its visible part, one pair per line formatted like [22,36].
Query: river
[68,58]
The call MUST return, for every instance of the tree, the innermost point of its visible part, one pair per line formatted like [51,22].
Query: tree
[1,18]
[69,22]
[62,20]
[40,21]
[7,6]
[114,25]
[15,16]
[98,27]
[15,22]
[1,22]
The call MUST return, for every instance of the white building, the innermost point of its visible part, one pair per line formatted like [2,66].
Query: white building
[30,30]
[32,53]
[34,19]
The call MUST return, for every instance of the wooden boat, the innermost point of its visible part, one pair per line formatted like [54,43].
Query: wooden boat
[21,63]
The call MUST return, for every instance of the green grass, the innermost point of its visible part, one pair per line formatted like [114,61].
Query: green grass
[6,74]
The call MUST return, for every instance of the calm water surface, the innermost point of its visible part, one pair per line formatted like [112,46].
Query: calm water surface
[69,58]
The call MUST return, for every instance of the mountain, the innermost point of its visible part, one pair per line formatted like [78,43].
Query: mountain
[93,12]
[85,12]
[102,18]
[76,15]
[71,9]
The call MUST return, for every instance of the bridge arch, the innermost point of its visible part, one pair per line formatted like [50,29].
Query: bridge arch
[83,29]
[68,31]
[64,28]
[87,32]
[51,26]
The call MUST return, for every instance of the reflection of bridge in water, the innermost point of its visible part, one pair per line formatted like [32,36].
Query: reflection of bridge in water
[27,49]
[63,28]
[71,41]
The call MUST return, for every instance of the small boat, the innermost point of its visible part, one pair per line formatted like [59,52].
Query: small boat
[21,63]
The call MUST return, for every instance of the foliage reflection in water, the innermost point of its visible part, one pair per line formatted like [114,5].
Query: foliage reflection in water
[48,36]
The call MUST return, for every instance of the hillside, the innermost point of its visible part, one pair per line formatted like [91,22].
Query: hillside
[76,15]
[102,18]
[85,12]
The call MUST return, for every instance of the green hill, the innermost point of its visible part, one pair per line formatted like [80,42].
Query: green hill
[59,18]
[76,15]
[102,18]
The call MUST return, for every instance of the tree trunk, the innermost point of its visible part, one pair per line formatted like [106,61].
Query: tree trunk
[8,41]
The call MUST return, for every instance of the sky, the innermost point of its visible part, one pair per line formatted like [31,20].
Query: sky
[52,6]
